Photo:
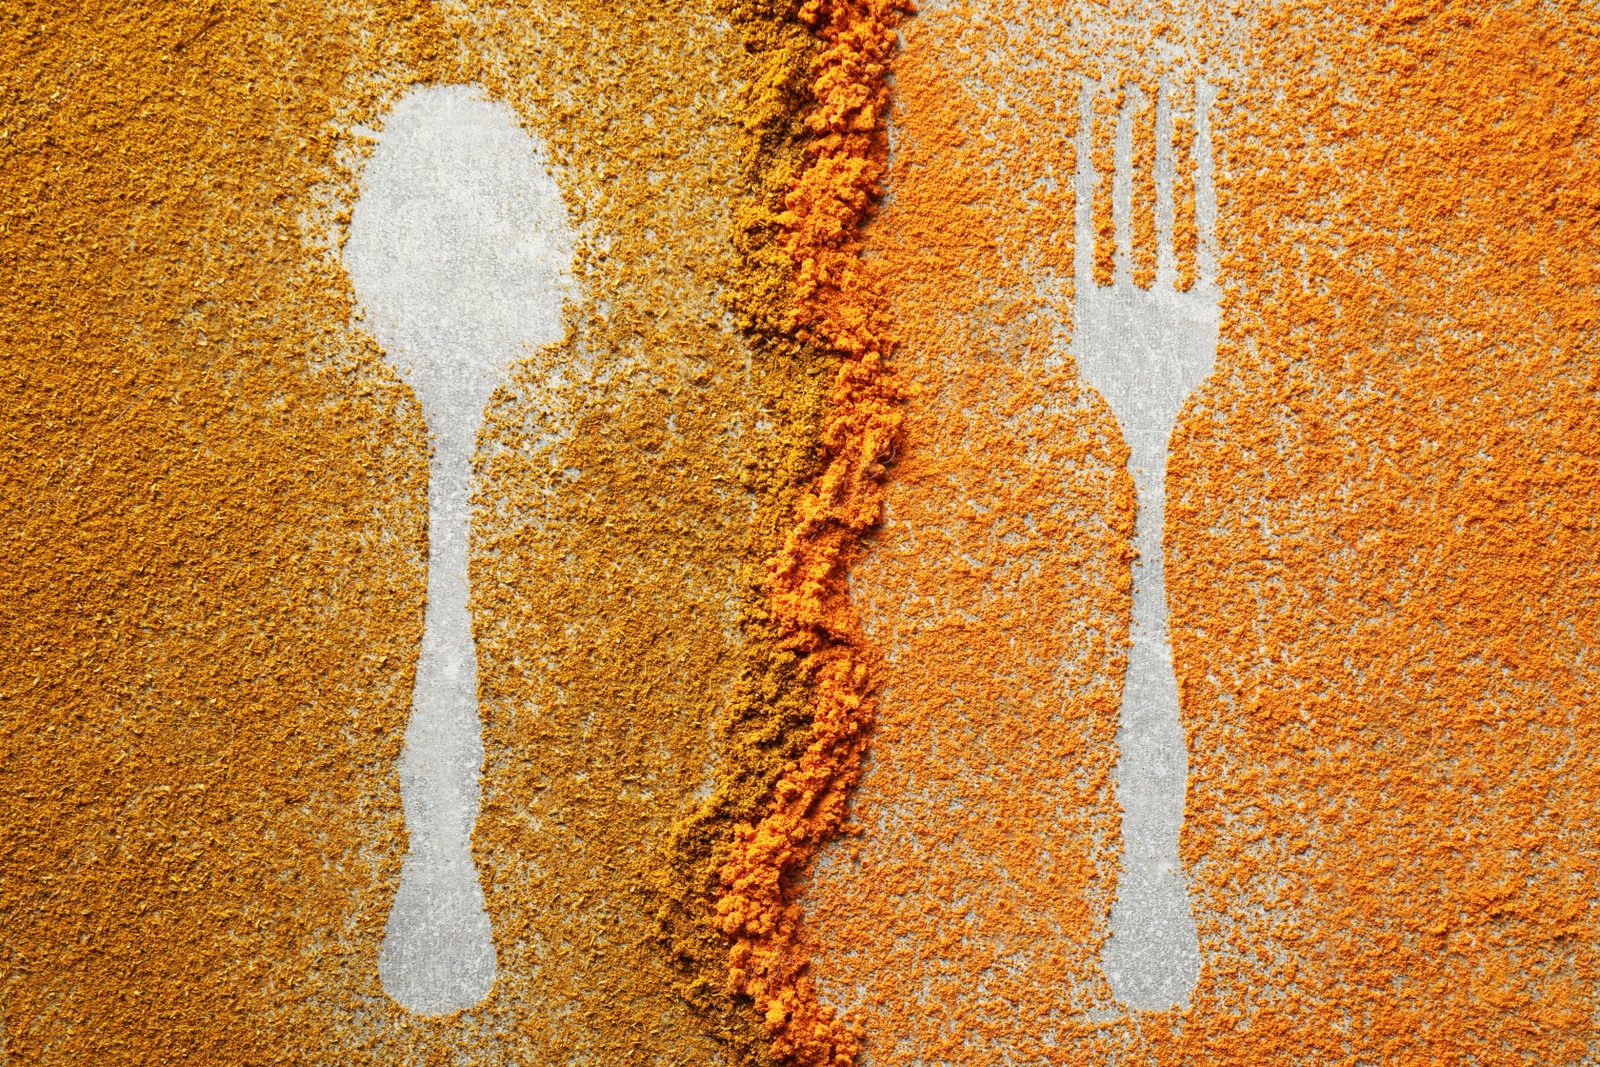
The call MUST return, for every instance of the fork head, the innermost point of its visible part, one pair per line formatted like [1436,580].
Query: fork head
[1146,303]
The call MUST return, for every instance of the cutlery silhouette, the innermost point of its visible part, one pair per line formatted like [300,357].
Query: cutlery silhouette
[1144,350]
[458,249]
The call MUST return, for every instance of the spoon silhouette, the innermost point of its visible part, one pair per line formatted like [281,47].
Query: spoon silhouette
[458,249]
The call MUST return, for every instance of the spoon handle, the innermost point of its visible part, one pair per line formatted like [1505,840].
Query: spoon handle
[438,949]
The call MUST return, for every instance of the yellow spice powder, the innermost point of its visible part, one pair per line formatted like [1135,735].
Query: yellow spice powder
[203,735]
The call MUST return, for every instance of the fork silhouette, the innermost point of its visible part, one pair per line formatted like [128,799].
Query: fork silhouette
[1145,336]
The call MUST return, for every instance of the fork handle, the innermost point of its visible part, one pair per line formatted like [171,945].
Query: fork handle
[1153,958]
[1154,761]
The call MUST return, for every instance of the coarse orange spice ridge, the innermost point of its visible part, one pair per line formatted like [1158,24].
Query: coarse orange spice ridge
[836,303]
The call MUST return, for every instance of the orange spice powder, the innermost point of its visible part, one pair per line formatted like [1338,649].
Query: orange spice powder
[1377,537]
